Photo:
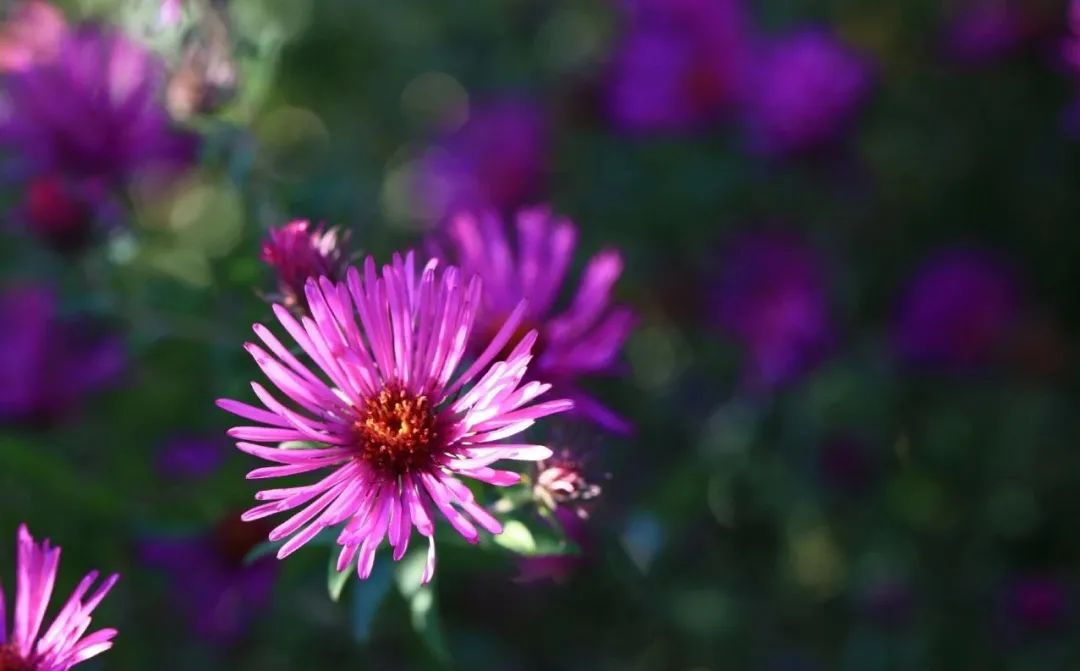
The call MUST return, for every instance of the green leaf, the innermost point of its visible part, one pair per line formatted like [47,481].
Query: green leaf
[367,596]
[335,579]
[516,537]
[301,445]
[423,606]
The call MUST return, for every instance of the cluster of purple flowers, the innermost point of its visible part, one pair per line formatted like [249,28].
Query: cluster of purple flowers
[83,118]
[685,64]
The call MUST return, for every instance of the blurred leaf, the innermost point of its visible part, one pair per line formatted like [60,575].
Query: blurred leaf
[422,603]
[516,537]
[367,596]
[335,579]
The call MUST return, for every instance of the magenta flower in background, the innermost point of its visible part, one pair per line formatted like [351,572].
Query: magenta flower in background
[63,643]
[585,338]
[772,298]
[217,591]
[32,34]
[49,364]
[805,90]
[1070,53]
[678,65]
[959,312]
[498,159]
[297,252]
[397,423]
[92,113]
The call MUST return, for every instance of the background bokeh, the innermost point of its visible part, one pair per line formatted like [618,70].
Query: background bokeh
[852,377]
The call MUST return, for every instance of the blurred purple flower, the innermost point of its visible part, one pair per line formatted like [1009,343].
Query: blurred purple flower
[60,213]
[93,112]
[497,160]
[49,365]
[959,312]
[984,31]
[584,339]
[189,458]
[171,11]
[218,592]
[32,34]
[298,252]
[1037,603]
[772,299]
[1070,53]
[678,65]
[804,91]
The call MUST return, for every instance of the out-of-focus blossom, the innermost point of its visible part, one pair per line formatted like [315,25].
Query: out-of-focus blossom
[32,34]
[984,31]
[396,422]
[297,252]
[804,90]
[49,365]
[679,64]
[186,457]
[94,112]
[171,12]
[498,160]
[584,339]
[63,644]
[1037,603]
[218,591]
[561,483]
[206,78]
[772,298]
[60,213]
[960,311]
[1071,55]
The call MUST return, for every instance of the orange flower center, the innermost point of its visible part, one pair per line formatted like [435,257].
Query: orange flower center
[398,432]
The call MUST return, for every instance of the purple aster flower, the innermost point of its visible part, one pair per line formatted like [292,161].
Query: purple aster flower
[679,64]
[63,644]
[49,365]
[217,590]
[583,339]
[32,34]
[807,88]
[93,112]
[984,31]
[496,160]
[187,457]
[773,300]
[397,424]
[1037,603]
[959,312]
[297,253]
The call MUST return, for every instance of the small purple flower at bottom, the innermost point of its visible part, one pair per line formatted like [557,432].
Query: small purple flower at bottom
[298,252]
[50,364]
[217,590]
[585,338]
[772,299]
[63,644]
[397,418]
[804,92]
[959,312]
